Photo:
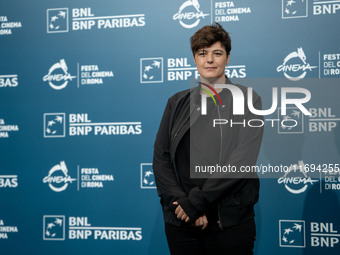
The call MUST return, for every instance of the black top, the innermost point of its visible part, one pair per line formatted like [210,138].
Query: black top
[235,196]
[201,146]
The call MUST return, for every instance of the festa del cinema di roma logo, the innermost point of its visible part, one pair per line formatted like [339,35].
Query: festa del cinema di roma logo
[58,178]
[295,180]
[294,66]
[58,75]
[189,14]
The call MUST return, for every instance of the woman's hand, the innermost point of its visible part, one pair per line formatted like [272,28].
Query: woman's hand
[181,213]
[201,222]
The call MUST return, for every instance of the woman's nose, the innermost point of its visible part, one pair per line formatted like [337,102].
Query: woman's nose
[210,58]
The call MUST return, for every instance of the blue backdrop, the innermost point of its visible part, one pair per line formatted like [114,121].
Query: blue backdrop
[83,85]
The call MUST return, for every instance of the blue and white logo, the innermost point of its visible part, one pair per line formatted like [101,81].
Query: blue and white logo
[292,233]
[294,9]
[295,65]
[57,20]
[295,179]
[292,122]
[58,178]
[189,14]
[58,75]
[54,125]
[151,70]
[54,227]
[147,176]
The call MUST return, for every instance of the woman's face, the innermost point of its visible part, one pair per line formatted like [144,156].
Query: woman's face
[211,61]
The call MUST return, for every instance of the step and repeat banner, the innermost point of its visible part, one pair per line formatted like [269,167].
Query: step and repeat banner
[83,86]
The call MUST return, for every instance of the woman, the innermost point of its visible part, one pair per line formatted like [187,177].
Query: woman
[207,213]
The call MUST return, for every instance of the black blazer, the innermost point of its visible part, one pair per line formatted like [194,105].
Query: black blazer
[235,196]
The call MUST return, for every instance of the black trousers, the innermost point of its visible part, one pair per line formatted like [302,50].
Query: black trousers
[189,240]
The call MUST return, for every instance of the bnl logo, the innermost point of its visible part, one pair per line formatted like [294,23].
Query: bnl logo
[292,233]
[57,20]
[292,114]
[147,177]
[294,9]
[151,70]
[324,234]
[54,125]
[54,227]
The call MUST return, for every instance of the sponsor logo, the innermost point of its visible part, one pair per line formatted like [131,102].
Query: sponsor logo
[294,66]
[54,227]
[324,234]
[299,8]
[331,179]
[79,124]
[58,76]
[8,181]
[331,65]
[320,120]
[6,129]
[147,177]
[92,75]
[6,230]
[295,180]
[6,26]
[292,233]
[294,9]
[84,19]
[293,115]
[9,80]
[189,14]
[178,69]
[57,20]
[92,178]
[324,7]
[229,11]
[54,125]
[79,228]
[151,70]
[58,178]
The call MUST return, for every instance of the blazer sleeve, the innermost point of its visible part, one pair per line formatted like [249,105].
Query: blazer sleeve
[168,187]
[245,154]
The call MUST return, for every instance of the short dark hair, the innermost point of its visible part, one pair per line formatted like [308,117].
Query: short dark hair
[208,35]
